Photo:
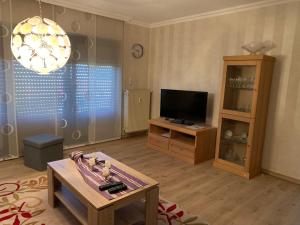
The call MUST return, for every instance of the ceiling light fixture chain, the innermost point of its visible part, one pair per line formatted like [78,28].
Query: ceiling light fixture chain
[40,5]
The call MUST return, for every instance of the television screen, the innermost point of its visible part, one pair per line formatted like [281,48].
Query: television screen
[185,105]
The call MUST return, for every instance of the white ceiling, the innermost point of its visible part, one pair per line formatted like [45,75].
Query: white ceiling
[153,11]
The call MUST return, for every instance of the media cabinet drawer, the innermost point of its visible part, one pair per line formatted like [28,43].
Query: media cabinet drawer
[182,145]
[182,150]
[159,141]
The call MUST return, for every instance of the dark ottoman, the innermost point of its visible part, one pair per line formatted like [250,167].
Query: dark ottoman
[41,149]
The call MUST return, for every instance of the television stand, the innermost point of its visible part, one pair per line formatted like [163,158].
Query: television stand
[193,145]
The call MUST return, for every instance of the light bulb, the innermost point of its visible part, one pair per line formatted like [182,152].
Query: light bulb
[15,52]
[17,29]
[26,28]
[58,30]
[37,62]
[62,62]
[40,29]
[67,41]
[33,41]
[51,62]
[49,22]
[17,41]
[53,41]
[25,51]
[67,52]
[43,52]
[56,51]
[43,71]
[61,41]
[35,20]
[25,62]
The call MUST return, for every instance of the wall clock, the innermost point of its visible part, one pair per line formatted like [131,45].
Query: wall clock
[137,51]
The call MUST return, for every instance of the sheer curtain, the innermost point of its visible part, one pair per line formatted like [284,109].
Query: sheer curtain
[82,101]
[8,134]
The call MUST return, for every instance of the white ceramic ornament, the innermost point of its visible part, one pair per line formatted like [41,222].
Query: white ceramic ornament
[91,161]
[228,134]
[244,135]
[107,164]
[105,172]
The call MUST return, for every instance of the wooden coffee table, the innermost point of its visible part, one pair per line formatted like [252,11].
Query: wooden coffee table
[66,185]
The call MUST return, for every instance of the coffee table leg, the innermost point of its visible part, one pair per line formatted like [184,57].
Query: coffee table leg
[52,187]
[152,198]
[104,216]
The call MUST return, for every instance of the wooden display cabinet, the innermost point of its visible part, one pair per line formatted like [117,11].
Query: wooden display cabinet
[243,113]
[181,141]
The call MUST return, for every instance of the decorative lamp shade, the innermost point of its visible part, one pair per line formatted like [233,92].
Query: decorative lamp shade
[40,45]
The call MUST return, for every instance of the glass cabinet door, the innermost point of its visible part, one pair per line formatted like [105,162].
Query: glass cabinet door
[234,141]
[240,80]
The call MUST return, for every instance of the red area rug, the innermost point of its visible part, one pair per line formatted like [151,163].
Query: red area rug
[24,202]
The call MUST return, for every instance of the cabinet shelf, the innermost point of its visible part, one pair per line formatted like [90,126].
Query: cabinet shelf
[239,111]
[234,141]
[183,138]
[164,132]
[240,88]
[236,113]
[237,162]
[76,208]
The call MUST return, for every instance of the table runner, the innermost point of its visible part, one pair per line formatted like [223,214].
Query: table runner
[95,179]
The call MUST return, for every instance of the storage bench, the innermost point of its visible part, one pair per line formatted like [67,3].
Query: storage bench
[41,149]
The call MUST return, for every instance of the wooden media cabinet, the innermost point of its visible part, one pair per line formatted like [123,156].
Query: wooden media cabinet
[181,141]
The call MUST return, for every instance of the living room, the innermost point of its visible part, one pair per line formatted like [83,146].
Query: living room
[165,112]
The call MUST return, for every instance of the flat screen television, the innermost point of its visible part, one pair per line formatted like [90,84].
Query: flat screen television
[183,105]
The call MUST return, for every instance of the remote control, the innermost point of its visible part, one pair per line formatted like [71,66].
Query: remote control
[109,185]
[116,189]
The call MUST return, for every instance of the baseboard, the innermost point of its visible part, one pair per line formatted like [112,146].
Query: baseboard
[91,143]
[134,134]
[281,176]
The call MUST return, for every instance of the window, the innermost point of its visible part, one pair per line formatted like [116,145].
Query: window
[39,96]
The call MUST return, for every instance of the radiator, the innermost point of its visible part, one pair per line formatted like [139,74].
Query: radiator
[136,110]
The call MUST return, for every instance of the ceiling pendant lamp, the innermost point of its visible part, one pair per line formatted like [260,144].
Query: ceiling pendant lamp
[40,44]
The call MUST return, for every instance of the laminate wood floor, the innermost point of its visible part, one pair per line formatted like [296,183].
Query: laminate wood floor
[215,195]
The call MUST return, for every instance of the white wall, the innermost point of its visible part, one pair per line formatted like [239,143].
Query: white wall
[135,70]
[189,55]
